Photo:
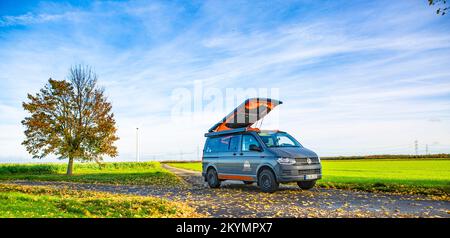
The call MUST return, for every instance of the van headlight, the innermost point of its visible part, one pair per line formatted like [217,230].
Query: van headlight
[286,161]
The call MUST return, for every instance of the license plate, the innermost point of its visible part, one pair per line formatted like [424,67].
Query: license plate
[310,176]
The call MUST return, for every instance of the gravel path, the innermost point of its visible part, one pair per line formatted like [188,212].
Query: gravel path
[234,199]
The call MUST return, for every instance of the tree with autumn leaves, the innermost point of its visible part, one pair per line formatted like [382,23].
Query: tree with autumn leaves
[442,6]
[71,119]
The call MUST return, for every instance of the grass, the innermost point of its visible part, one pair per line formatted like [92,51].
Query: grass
[144,173]
[429,177]
[406,176]
[195,166]
[32,202]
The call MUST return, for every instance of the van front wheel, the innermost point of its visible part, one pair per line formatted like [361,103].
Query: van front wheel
[267,181]
[306,184]
[212,178]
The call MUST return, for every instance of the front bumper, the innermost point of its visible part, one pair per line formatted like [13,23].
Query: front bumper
[294,173]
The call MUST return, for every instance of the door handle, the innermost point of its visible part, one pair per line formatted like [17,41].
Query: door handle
[234,153]
[241,153]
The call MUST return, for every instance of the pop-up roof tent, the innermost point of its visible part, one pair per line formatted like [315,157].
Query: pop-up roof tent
[244,116]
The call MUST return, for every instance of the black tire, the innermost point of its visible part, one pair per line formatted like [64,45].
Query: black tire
[248,182]
[212,178]
[267,181]
[306,184]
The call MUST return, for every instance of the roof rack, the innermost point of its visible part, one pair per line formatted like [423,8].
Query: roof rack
[232,131]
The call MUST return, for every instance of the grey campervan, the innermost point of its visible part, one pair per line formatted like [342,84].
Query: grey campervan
[236,151]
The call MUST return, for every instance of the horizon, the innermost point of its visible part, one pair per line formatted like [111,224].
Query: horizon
[355,157]
[355,79]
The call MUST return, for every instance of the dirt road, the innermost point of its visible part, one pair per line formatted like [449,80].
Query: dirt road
[234,199]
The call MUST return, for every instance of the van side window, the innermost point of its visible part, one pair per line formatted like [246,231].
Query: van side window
[234,144]
[222,144]
[248,140]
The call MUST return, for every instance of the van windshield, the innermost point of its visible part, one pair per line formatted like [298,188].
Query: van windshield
[278,139]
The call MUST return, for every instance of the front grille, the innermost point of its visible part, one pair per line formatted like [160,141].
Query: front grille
[308,171]
[287,172]
[303,161]
[301,172]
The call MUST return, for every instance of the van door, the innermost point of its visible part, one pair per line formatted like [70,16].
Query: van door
[226,153]
[249,159]
[233,163]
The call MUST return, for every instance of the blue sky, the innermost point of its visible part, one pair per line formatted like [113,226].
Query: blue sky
[356,77]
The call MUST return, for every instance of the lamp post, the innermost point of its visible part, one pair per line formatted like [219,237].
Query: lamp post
[137,144]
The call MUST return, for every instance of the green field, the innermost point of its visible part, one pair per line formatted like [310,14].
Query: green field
[413,176]
[32,202]
[195,166]
[146,173]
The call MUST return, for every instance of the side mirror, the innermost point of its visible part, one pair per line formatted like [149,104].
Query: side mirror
[254,147]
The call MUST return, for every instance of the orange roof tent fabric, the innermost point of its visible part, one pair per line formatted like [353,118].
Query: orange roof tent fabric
[246,114]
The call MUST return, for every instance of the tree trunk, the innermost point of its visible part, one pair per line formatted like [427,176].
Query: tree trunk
[70,167]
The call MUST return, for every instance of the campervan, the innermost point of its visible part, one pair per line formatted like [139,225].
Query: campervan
[234,150]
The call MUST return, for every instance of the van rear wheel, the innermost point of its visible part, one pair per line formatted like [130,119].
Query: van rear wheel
[267,181]
[306,184]
[212,178]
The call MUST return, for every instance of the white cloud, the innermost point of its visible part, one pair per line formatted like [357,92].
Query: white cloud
[351,84]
